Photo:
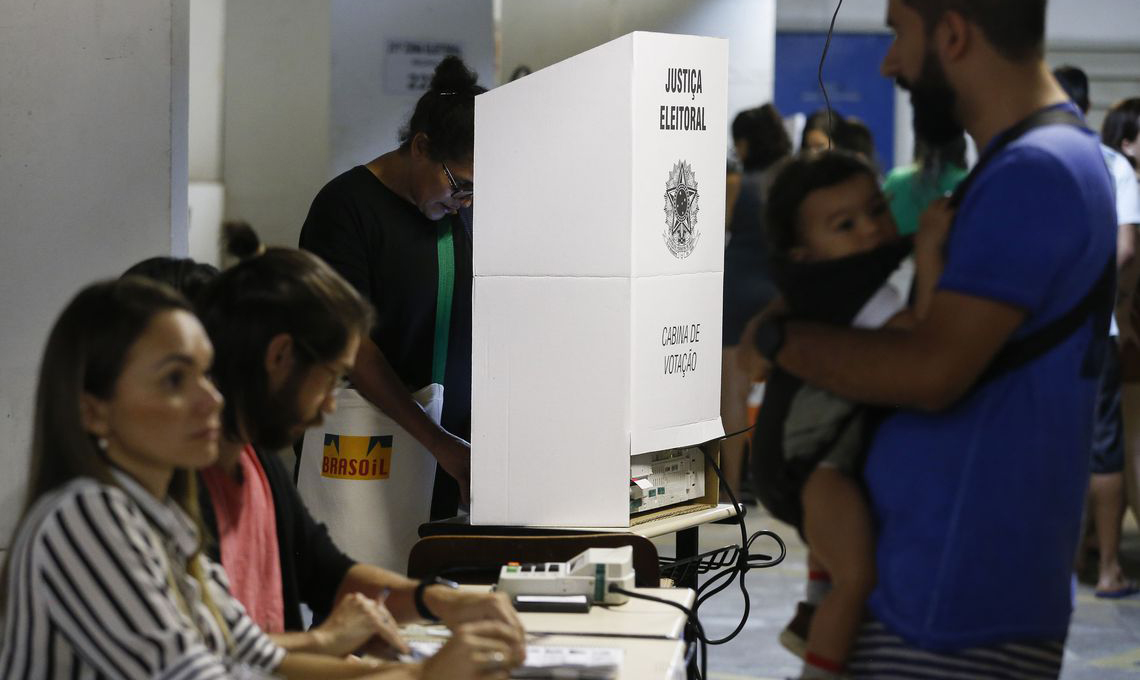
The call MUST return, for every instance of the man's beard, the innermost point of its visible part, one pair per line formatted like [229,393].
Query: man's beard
[279,421]
[935,104]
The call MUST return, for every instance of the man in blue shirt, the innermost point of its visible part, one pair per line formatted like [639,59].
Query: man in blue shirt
[977,480]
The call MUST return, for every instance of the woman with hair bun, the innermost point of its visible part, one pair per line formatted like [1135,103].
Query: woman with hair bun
[387,226]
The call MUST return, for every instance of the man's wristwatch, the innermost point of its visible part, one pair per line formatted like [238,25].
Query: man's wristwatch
[769,338]
[418,596]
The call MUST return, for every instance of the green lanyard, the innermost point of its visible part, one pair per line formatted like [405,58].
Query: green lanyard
[445,254]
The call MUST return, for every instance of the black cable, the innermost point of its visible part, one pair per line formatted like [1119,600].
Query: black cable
[690,613]
[822,87]
[732,434]
[690,654]
[744,561]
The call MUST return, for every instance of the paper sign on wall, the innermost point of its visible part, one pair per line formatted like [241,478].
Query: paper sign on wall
[409,64]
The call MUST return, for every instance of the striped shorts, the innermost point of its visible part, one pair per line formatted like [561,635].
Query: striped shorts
[883,655]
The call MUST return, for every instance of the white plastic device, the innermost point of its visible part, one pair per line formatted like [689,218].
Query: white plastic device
[664,478]
[590,573]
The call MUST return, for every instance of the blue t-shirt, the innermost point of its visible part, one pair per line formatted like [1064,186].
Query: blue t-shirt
[979,506]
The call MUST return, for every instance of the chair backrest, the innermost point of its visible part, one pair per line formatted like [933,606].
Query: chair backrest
[477,559]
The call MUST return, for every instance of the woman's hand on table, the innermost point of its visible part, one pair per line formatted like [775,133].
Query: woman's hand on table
[478,650]
[458,607]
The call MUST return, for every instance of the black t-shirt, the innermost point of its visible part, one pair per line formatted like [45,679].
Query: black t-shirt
[386,248]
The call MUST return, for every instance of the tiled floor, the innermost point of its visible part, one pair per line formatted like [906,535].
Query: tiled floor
[1104,637]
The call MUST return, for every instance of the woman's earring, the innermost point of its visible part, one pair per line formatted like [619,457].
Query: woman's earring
[101,442]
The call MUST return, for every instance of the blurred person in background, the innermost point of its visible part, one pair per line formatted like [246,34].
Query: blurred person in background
[936,172]
[1106,483]
[760,142]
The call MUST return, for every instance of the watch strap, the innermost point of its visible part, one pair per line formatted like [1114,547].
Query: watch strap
[418,596]
[769,338]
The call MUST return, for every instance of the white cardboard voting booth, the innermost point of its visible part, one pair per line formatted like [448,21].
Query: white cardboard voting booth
[598,259]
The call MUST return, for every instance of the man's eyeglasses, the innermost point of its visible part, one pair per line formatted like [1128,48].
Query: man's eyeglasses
[338,381]
[457,192]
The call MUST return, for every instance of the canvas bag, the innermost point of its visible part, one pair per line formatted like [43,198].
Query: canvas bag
[364,476]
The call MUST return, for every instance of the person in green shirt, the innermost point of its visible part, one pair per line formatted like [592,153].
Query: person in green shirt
[937,170]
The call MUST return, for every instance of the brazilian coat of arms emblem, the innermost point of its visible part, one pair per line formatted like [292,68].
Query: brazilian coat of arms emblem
[681,208]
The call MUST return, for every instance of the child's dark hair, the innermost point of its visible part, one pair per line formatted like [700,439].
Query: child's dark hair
[799,177]
[446,112]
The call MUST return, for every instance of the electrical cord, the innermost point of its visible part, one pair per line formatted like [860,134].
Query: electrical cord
[701,640]
[745,560]
[822,87]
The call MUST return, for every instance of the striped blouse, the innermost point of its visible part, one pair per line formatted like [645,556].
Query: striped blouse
[92,593]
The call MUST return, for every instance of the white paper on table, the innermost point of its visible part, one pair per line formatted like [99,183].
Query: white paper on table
[585,663]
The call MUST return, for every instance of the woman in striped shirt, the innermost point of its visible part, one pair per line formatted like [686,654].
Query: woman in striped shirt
[105,578]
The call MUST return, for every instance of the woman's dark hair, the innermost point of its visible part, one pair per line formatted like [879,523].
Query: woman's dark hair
[180,273]
[822,120]
[1015,28]
[799,177]
[1121,124]
[852,134]
[85,354]
[273,291]
[763,129]
[446,112]
[847,133]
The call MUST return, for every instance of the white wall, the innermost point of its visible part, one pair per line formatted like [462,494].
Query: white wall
[538,33]
[206,196]
[815,15]
[92,125]
[366,112]
[1100,22]
[276,112]
[207,74]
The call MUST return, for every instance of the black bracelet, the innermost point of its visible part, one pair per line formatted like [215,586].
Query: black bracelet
[769,338]
[418,596]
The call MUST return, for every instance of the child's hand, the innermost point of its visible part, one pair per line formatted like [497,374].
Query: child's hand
[929,252]
[934,228]
[749,360]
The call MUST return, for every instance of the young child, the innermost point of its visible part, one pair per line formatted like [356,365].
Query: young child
[838,259]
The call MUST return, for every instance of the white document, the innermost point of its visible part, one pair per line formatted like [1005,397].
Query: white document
[585,663]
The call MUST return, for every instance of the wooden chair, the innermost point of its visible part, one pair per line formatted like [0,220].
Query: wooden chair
[476,559]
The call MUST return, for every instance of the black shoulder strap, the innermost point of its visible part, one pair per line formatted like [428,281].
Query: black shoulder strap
[1096,304]
[1098,301]
[1042,118]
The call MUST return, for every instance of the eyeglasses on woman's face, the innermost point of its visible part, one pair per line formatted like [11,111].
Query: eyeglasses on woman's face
[458,192]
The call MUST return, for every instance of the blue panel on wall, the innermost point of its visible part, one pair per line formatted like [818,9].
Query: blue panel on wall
[851,75]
